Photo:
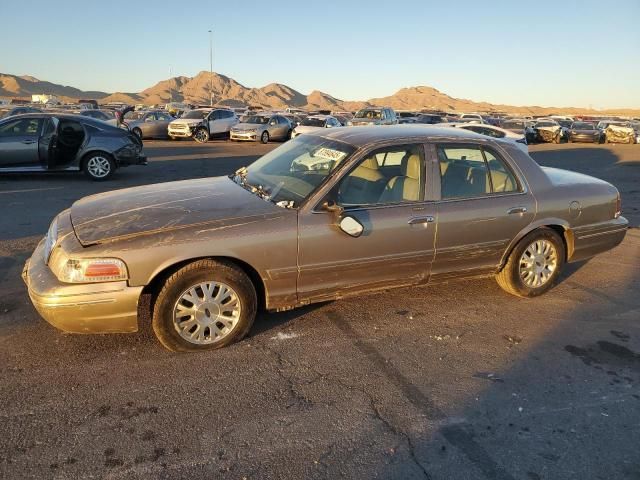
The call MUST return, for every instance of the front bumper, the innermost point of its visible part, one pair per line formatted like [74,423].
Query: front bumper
[246,136]
[180,133]
[584,137]
[110,307]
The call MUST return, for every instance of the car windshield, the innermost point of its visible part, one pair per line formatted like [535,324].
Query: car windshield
[374,114]
[313,122]
[288,174]
[196,114]
[257,119]
[582,126]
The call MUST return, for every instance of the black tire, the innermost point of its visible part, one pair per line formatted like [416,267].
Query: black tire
[137,132]
[92,162]
[201,135]
[193,274]
[264,138]
[509,277]
[289,135]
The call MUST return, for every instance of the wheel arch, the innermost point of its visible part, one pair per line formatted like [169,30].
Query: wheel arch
[558,225]
[154,285]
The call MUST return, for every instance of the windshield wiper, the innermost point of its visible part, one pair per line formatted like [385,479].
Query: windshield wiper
[259,190]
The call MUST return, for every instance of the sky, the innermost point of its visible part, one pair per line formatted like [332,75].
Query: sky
[547,53]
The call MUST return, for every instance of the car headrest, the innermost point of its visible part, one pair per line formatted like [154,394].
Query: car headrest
[411,166]
[370,162]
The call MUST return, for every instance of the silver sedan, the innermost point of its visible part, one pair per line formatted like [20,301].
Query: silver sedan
[149,124]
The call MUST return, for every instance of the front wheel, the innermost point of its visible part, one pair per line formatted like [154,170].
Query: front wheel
[99,166]
[201,135]
[534,264]
[205,305]
[264,138]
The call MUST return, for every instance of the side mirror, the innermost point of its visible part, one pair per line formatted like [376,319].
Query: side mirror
[351,226]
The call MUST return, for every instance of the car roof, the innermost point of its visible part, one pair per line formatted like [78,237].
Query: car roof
[70,116]
[361,136]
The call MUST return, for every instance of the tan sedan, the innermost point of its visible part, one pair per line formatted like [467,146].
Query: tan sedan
[328,215]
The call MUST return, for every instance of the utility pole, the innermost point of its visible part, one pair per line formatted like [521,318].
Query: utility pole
[170,82]
[210,68]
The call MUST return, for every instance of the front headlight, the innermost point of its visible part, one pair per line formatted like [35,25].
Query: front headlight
[90,270]
[51,239]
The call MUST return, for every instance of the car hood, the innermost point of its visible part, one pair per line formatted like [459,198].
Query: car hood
[249,126]
[217,202]
[187,121]
[585,131]
[307,129]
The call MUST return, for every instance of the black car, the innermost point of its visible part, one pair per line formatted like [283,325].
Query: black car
[584,132]
[430,119]
[51,142]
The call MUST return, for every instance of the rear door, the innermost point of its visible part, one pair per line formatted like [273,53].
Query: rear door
[483,205]
[19,142]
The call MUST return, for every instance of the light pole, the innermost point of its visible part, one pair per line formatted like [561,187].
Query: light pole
[170,82]
[210,68]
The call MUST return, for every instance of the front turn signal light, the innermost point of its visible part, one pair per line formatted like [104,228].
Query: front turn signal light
[93,270]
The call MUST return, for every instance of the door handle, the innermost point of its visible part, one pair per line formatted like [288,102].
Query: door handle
[420,220]
[513,210]
[28,142]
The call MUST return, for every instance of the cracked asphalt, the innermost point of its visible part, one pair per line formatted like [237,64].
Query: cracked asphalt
[453,381]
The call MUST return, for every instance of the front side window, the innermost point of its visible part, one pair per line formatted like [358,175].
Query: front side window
[473,171]
[376,182]
[20,128]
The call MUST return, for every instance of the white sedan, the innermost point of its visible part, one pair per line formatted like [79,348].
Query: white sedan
[491,131]
[314,123]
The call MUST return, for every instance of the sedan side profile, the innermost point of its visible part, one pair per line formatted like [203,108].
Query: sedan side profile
[327,215]
[149,124]
[51,142]
[262,128]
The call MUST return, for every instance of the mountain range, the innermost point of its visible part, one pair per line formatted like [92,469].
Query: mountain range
[227,91]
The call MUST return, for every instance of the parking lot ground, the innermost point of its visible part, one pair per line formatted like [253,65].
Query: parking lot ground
[451,381]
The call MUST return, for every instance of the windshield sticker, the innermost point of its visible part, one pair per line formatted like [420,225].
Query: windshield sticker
[329,154]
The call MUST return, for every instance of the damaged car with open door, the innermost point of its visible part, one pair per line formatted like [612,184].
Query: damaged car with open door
[327,215]
[52,142]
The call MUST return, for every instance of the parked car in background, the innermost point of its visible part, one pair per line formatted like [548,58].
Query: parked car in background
[12,111]
[471,117]
[314,123]
[487,130]
[149,123]
[202,124]
[107,116]
[548,131]
[344,121]
[52,142]
[375,116]
[619,132]
[406,116]
[584,132]
[520,126]
[430,118]
[263,128]
[259,239]
[176,108]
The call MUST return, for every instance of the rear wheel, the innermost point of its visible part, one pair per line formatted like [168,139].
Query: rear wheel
[98,166]
[264,138]
[205,305]
[201,135]
[534,264]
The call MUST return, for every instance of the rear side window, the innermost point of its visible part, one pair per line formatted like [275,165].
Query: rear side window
[473,171]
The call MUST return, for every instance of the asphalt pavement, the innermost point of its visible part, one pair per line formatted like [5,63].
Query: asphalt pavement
[454,381]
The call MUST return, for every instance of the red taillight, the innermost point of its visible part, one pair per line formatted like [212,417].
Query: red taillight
[618,206]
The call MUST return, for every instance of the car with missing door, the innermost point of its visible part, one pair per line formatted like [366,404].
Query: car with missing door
[202,124]
[324,216]
[59,142]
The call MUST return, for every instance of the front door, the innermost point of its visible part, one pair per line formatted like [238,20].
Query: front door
[19,142]
[483,206]
[397,242]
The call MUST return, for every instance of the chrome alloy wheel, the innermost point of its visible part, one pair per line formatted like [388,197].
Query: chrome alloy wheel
[206,313]
[98,166]
[538,263]
[200,136]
